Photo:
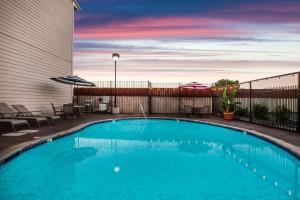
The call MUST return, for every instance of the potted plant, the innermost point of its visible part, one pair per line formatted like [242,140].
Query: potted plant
[229,104]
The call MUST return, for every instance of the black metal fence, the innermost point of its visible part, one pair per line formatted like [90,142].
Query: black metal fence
[272,101]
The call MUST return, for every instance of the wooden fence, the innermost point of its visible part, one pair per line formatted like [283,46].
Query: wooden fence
[153,100]
[155,104]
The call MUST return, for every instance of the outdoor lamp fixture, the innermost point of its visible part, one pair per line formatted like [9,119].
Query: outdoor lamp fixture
[115,57]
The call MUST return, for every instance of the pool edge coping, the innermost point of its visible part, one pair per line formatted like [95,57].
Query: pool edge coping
[18,149]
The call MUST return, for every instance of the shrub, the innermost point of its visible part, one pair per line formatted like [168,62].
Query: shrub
[282,114]
[241,112]
[260,111]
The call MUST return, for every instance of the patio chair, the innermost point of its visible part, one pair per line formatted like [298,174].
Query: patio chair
[7,113]
[57,110]
[23,111]
[198,111]
[12,123]
[206,111]
[188,110]
[68,110]
[202,111]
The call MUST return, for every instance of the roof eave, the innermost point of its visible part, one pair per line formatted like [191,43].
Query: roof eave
[76,5]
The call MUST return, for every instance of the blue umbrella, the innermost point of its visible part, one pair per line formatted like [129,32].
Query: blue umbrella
[73,80]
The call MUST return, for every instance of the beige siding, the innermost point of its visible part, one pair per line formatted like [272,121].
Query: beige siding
[36,42]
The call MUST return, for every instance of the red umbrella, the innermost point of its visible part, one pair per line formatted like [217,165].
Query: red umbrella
[194,85]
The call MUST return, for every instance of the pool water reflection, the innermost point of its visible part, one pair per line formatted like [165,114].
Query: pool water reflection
[153,159]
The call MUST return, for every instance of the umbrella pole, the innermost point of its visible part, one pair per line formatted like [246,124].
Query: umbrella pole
[77,95]
[194,99]
[179,99]
[73,93]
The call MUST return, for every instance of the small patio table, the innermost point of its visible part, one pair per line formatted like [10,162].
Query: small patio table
[78,109]
[197,110]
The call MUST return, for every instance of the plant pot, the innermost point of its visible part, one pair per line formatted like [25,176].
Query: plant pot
[228,115]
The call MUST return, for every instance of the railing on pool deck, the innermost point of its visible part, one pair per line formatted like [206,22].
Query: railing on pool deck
[142,109]
[272,101]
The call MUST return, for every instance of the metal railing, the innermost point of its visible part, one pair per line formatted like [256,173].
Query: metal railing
[271,101]
[142,110]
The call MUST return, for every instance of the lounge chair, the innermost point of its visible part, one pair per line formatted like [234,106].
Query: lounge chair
[12,123]
[23,111]
[7,113]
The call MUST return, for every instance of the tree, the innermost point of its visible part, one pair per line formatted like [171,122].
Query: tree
[224,82]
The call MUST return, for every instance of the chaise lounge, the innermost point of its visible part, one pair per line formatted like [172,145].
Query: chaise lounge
[7,113]
[24,112]
[12,123]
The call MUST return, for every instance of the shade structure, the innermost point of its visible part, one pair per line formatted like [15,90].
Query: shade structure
[194,85]
[73,80]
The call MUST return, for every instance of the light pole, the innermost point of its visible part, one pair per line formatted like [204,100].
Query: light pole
[115,57]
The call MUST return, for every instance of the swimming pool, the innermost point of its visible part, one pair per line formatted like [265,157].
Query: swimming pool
[153,159]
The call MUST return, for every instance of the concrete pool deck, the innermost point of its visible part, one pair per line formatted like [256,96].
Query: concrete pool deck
[10,146]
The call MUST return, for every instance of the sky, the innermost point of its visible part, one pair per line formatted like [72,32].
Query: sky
[186,40]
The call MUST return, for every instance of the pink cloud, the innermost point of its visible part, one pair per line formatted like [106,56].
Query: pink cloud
[159,27]
[219,23]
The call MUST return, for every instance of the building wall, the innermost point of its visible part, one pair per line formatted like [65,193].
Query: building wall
[36,42]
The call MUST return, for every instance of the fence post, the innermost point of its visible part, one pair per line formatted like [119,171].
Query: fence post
[212,101]
[110,94]
[298,99]
[250,101]
[179,99]
[149,98]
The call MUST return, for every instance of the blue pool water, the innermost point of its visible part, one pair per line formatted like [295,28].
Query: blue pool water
[153,159]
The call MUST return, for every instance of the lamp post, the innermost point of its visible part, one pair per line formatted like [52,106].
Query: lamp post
[115,57]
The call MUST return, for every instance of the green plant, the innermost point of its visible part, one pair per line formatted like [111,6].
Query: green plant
[228,101]
[260,111]
[282,114]
[225,82]
[241,112]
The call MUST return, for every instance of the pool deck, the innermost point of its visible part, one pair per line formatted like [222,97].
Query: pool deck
[10,146]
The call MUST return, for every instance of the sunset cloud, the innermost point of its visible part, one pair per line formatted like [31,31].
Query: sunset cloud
[191,40]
